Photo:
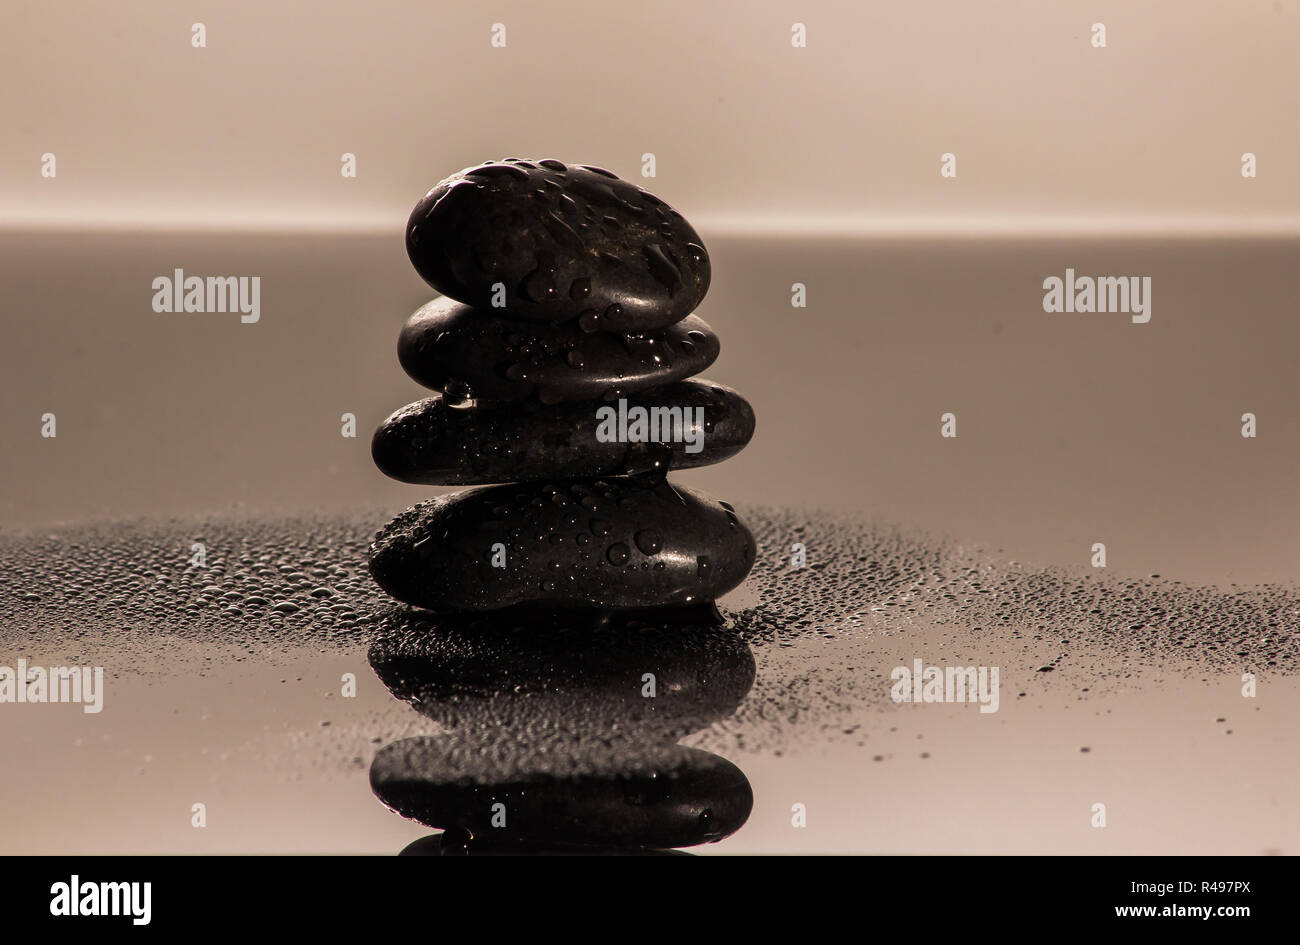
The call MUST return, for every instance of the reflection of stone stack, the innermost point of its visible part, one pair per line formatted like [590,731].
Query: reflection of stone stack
[549,740]
[559,351]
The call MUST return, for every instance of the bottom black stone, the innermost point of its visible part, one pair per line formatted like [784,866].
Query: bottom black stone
[605,543]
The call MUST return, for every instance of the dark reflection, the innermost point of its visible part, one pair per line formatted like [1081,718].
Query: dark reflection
[454,843]
[674,797]
[562,729]
[539,672]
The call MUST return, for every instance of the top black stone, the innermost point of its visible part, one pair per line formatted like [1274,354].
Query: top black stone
[548,242]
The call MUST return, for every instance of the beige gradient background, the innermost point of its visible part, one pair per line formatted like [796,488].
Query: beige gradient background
[748,132]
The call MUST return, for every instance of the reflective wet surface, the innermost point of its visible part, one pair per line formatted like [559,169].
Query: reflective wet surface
[296,724]
[276,686]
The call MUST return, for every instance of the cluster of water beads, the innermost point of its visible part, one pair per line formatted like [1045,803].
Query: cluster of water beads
[821,634]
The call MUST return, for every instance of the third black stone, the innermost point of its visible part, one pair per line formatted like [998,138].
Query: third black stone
[688,424]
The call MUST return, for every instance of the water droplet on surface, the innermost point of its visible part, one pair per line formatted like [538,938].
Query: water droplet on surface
[648,541]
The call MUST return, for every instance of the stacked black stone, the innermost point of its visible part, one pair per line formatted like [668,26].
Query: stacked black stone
[560,351]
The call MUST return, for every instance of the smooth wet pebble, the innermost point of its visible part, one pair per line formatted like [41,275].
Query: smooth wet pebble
[435,442]
[484,549]
[480,354]
[556,242]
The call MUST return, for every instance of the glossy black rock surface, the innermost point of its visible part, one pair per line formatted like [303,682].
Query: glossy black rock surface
[636,542]
[436,442]
[563,241]
[575,674]
[678,797]
[481,354]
